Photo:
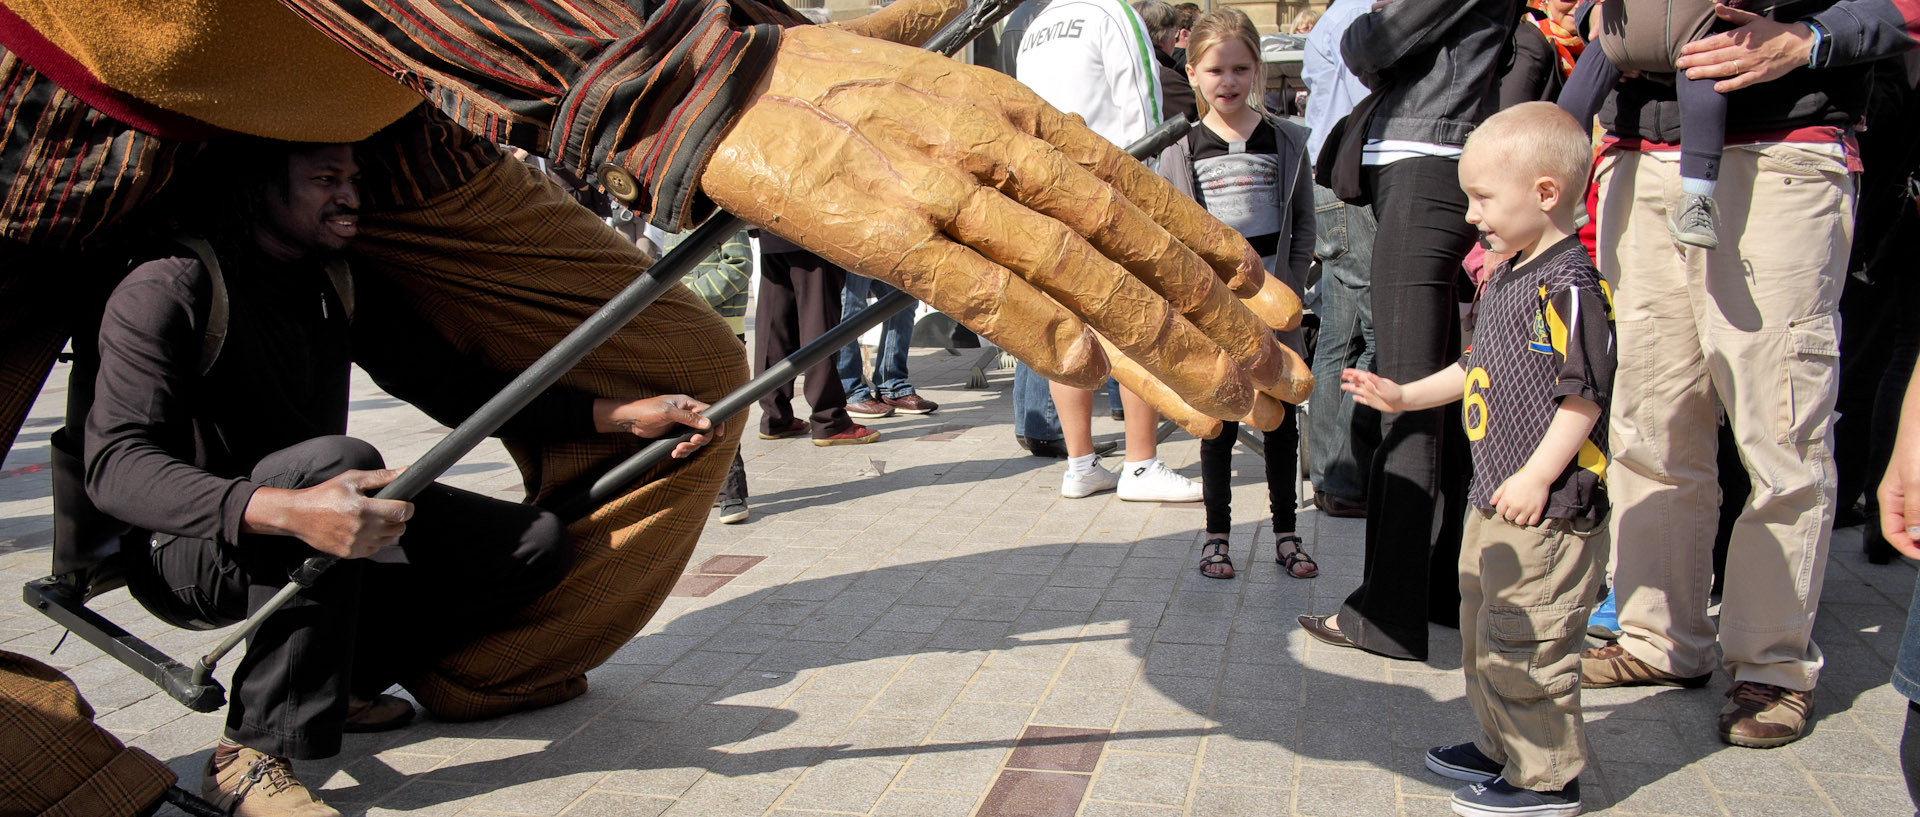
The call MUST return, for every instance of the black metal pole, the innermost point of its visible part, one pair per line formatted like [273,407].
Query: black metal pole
[585,338]
[615,481]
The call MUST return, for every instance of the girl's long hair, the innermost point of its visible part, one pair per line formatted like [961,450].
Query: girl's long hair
[1226,24]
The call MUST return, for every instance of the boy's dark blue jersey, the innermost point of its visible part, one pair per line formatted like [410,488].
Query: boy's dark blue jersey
[1543,331]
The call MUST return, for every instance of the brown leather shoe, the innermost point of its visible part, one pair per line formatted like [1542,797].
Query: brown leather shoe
[1339,507]
[872,408]
[855,434]
[1762,716]
[913,404]
[255,784]
[1613,666]
[1318,627]
[383,713]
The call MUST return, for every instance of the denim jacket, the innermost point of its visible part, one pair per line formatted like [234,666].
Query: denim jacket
[1442,60]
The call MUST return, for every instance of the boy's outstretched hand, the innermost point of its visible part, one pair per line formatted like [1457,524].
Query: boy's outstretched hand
[1522,499]
[1371,390]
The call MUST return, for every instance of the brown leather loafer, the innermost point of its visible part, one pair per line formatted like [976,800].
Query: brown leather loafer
[1339,506]
[383,713]
[1318,627]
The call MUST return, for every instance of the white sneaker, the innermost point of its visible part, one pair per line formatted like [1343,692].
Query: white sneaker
[1156,483]
[1075,486]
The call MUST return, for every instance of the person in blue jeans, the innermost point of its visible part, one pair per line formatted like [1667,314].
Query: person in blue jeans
[1341,436]
[889,391]
[1340,447]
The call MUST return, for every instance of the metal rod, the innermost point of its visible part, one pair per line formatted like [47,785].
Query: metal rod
[575,505]
[585,338]
[829,343]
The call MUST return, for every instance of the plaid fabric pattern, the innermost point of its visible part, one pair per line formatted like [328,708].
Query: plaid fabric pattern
[584,82]
[510,252]
[54,762]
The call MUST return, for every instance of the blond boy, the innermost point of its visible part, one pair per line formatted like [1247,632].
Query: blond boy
[1535,381]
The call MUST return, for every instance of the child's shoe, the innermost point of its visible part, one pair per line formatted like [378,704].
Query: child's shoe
[1695,224]
[1604,624]
[1463,761]
[1496,798]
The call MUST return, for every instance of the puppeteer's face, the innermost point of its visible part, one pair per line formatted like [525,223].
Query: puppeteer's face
[1507,205]
[1225,75]
[320,211]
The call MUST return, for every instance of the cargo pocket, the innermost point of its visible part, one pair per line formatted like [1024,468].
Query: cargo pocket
[1518,638]
[1810,379]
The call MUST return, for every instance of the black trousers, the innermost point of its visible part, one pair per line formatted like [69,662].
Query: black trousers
[1416,497]
[1282,458]
[735,486]
[363,625]
[799,300]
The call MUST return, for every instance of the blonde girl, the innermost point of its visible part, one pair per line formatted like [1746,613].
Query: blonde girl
[1250,170]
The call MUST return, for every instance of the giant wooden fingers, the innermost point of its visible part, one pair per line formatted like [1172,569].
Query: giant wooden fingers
[962,188]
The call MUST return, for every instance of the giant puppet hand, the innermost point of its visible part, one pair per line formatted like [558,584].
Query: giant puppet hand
[909,22]
[961,187]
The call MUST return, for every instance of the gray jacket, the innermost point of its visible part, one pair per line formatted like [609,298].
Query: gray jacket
[1294,259]
[1443,59]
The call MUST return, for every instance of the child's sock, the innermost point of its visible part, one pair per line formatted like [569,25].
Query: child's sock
[1696,187]
[1140,467]
[1082,465]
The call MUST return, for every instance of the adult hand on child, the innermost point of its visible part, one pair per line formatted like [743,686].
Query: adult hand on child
[1758,51]
[961,187]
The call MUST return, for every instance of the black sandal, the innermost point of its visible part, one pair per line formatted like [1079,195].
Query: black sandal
[1296,556]
[1218,556]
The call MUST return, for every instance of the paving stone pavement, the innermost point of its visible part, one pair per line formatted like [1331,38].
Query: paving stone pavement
[924,627]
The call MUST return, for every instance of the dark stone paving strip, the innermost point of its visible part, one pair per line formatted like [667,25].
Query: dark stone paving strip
[1019,793]
[1047,774]
[713,574]
[1058,749]
[724,565]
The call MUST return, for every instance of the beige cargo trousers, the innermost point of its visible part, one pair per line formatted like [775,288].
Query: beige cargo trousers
[1751,328]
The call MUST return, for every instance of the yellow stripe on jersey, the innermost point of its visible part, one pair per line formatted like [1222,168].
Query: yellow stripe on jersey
[1606,296]
[1557,325]
[1591,459]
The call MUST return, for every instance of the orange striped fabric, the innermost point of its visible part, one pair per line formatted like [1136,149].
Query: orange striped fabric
[584,82]
[504,265]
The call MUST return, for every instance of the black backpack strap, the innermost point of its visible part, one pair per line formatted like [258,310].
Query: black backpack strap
[342,279]
[218,311]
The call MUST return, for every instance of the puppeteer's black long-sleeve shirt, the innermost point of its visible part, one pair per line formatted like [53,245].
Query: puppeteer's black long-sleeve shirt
[170,450]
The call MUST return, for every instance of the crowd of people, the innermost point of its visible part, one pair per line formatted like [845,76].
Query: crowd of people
[1633,295]
[1656,263]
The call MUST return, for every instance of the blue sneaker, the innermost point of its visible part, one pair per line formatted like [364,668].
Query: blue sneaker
[1462,761]
[1496,798]
[1604,624]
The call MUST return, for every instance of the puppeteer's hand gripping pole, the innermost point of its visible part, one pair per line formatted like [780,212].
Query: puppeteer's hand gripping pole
[618,312]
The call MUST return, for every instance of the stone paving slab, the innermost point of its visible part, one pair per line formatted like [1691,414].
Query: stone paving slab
[922,627]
